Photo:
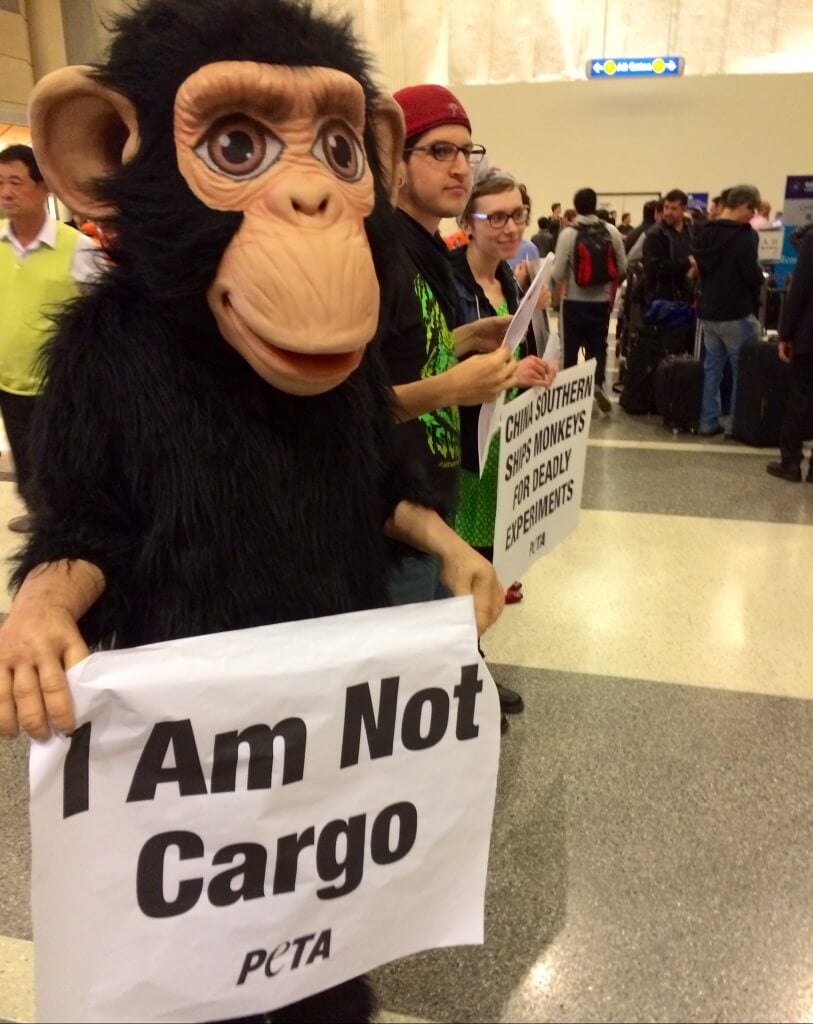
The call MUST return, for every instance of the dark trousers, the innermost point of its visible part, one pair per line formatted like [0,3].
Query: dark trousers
[18,412]
[799,410]
[585,325]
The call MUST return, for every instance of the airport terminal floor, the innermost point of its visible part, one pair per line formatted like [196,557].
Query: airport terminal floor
[651,848]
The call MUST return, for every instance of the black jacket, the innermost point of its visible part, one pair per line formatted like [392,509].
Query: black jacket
[472,304]
[417,344]
[666,264]
[730,275]
[797,317]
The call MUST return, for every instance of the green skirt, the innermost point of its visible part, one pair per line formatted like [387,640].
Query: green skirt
[477,511]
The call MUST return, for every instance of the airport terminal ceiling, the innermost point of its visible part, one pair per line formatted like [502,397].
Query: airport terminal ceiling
[492,41]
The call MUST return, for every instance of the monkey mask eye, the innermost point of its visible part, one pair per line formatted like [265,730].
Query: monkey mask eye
[339,150]
[239,148]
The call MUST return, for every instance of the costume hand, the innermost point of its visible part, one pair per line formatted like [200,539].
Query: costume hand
[786,351]
[533,372]
[464,571]
[482,378]
[484,335]
[38,641]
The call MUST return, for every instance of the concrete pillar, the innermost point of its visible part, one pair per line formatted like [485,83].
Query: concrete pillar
[46,36]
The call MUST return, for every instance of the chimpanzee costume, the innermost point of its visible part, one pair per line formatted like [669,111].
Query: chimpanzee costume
[215,484]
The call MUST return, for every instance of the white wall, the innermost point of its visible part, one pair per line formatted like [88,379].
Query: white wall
[16,78]
[697,134]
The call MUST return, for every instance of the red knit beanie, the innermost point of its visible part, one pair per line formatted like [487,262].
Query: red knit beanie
[429,106]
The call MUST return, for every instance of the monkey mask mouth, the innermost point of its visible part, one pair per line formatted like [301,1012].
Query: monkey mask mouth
[285,365]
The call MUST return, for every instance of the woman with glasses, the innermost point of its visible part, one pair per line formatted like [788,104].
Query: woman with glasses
[495,218]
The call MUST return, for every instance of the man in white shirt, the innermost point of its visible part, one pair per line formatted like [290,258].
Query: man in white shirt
[43,264]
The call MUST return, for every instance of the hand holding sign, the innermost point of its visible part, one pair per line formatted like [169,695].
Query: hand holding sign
[533,372]
[480,379]
[38,641]
[248,854]
[463,572]
[483,335]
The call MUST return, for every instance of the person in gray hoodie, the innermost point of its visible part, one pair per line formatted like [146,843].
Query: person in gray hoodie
[725,252]
[585,312]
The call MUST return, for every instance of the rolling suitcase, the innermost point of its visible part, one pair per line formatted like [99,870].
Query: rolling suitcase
[679,391]
[762,392]
[646,352]
[648,346]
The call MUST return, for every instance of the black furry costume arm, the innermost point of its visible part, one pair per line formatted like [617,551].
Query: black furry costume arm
[162,456]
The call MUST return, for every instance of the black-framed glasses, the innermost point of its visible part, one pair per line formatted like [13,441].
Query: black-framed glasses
[446,152]
[498,220]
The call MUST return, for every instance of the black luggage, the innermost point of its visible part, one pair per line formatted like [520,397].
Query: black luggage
[648,346]
[762,392]
[646,352]
[679,392]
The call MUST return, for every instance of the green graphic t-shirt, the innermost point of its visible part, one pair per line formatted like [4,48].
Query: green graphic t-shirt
[418,345]
[443,425]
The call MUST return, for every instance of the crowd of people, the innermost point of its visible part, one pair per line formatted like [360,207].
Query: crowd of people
[145,539]
[446,313]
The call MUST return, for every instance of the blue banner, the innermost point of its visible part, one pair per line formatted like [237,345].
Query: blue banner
[797,212]
[634,67]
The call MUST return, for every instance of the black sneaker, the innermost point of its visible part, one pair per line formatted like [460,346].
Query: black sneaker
[791,471]
[511,703]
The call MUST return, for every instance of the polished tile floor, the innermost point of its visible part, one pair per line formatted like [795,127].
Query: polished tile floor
[651,855]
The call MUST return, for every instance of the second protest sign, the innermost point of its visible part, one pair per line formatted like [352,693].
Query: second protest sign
[543,448]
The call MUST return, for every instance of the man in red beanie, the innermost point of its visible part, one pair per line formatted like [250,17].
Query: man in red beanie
[422,347]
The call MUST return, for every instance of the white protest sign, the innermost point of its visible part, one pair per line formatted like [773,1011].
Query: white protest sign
[770,245]
[543,448]
[247,818]
[552,352]
[489,421]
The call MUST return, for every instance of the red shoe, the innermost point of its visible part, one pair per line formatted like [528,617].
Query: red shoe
[514,594]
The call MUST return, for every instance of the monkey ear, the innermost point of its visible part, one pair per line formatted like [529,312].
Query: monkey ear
[388,123]
[81,131]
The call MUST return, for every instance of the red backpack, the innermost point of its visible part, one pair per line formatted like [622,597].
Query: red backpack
[594,261]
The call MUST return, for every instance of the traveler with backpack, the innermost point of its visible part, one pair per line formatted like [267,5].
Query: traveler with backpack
[591,262]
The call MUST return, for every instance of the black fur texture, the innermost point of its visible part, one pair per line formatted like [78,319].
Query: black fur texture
[210,500]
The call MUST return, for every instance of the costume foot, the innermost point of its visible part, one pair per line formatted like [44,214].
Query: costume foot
[786,471]
[514,594]
[511,703]
[20,524]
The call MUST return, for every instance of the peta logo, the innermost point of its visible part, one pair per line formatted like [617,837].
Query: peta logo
[257,958]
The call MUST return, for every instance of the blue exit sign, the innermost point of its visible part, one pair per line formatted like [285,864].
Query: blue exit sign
[634,67]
